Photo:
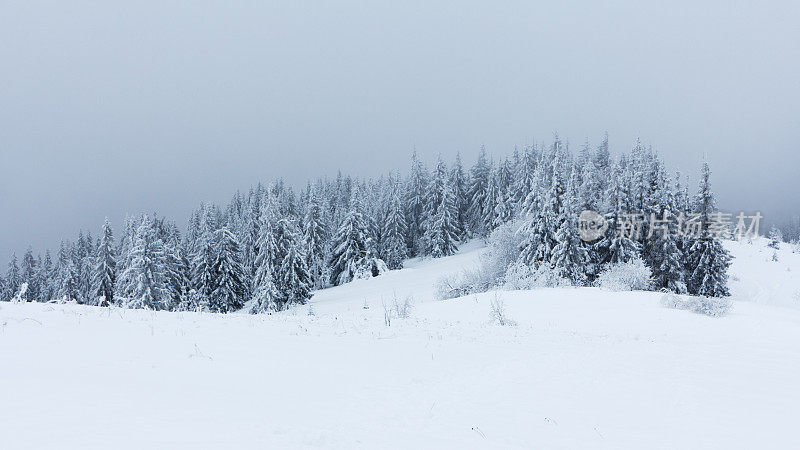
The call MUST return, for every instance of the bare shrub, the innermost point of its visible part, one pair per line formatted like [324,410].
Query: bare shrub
[498,313]
[402,309]
[387,314]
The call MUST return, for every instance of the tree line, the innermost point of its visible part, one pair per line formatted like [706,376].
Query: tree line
[271,247]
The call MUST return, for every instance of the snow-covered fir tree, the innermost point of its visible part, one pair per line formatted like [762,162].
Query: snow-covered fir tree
[707,260]
[105,275]
[28,275]
[433,199]
[315,235]
[84,263]
[480,176]
[616,246]
[4,291]
[13,277]
[775,238]
[569,256]
[265,293]
[144,284]
[178,269]
[441,233]
[416,189]
[293,280]
[204,278]
[66,284]
[239,252]
[667,264]
[524,178]
[349,245]
[542,223]
[460,185]
[230,286]
[47,277]
[394,249]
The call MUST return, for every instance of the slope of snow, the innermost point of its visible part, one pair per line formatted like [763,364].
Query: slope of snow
[584,368]
[757,278]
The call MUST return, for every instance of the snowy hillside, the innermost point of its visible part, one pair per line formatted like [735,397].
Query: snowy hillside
[582,368]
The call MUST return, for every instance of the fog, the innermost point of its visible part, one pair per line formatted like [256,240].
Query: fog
[115,107]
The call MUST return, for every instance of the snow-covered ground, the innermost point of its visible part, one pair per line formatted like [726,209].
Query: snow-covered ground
[583,368]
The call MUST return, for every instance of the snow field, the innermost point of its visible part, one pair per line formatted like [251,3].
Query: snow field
[583,368]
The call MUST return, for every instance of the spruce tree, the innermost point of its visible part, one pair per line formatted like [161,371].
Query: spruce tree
[478,193]
[230,287]
[775,237]
[315,235]
[84,263]
[433,199]
[603,164]
[105,267]
[487,214]
[47,277]
[540,227]
[144,282]
[503,207]
[590,190]
[28,275]
[708,261]
[349,246]
[265,293]
[616,246]
[66,284]
[669,274]
[442,232]
[4,295]
[13,277]
[204,278]
[524,179]
[293,279]
[569,256]
[460,185]
[178,269]
[394,229]
[415,204]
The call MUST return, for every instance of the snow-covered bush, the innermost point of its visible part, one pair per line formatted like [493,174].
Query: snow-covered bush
[502,249]
[470,281]
[501,252]
[710,306]
[796,246]
[633,275]
[498,314]
[521,276]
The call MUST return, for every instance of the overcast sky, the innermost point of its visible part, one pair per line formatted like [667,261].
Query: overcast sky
[114,107]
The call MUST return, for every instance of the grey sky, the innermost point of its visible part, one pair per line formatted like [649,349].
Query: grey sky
[114,107]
